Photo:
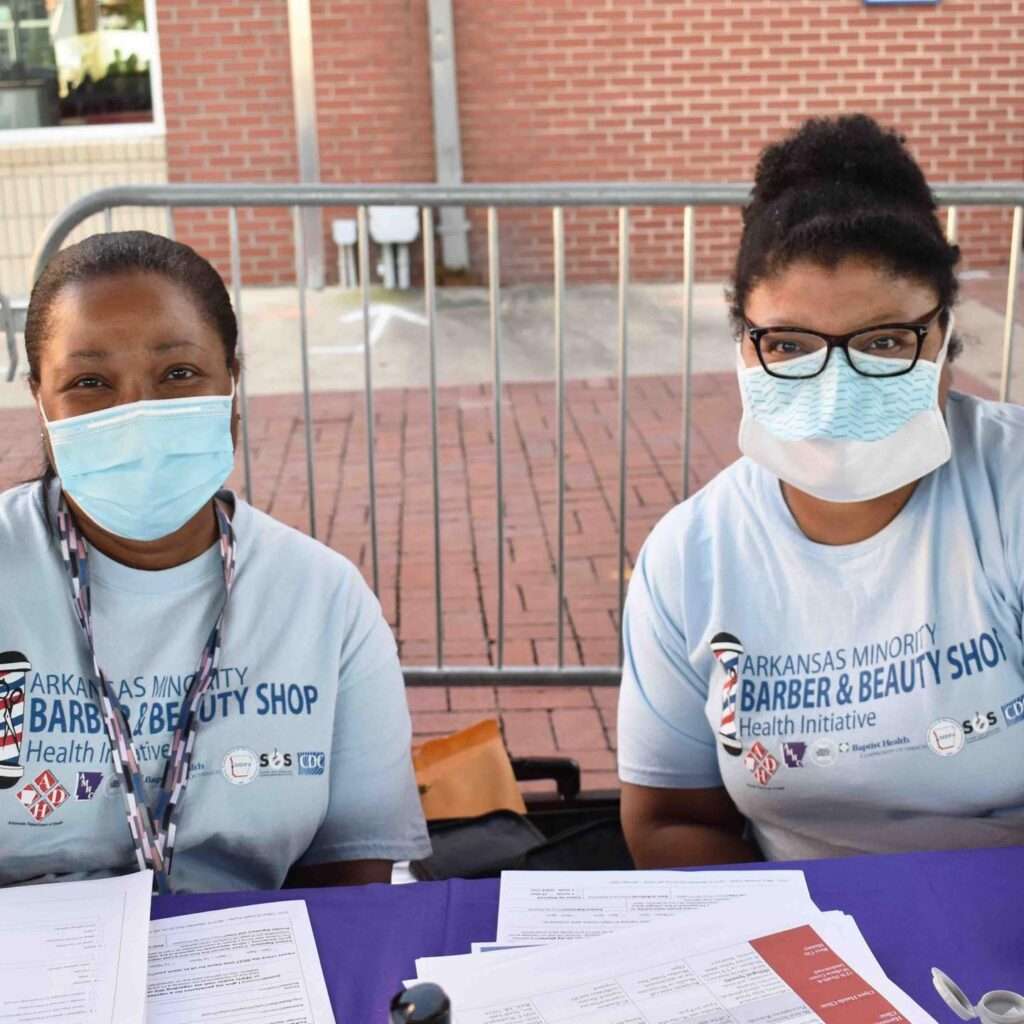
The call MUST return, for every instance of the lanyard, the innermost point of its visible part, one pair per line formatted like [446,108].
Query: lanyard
[152,827]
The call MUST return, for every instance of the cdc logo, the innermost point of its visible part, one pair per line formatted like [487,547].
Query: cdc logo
[1013,712]
[311,762]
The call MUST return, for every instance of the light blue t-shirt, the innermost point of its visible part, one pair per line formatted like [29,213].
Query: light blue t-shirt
[303,752]
[880,699]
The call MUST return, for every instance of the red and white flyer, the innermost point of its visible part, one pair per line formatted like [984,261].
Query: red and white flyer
[751,963]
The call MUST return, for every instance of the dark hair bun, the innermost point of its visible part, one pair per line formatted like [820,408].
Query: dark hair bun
[837,188]
[850,155]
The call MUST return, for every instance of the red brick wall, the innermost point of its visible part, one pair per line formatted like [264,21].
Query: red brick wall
[595,90]
[373,95]
[228,101]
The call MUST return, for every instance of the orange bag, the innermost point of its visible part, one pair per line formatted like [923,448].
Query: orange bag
[466,774]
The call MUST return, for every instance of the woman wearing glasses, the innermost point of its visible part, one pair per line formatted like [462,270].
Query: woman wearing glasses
[823,647]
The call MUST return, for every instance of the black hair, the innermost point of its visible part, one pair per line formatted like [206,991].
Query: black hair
[127,252]
[841,187]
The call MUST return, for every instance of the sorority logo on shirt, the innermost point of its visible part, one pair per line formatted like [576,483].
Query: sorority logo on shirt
[42,796]
[761,764]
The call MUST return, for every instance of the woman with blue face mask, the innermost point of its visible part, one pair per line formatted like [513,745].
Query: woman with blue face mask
[186,684]
[823,646]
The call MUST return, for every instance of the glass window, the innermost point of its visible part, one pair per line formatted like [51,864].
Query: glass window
[74,62]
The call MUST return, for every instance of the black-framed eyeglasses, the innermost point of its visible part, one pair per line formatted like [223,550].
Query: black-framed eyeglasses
[886,350]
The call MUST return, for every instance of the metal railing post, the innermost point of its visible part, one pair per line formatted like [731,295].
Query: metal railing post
[623,405]
[558,226]
[687,346]
[364,286]
[1009,321]
[243,394]
[307,406]
[952,225]
[7,322]
[494,299]
[430,301]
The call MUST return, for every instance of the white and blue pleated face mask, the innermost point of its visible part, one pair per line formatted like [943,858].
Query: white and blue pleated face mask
[842,436]
[144,469]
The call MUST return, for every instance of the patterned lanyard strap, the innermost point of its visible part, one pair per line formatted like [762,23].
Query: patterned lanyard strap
[152,828]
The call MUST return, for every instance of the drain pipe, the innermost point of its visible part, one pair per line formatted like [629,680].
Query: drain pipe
[447,139]
[300,38]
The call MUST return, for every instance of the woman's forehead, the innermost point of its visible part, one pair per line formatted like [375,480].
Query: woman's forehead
[851,294]
[128,311]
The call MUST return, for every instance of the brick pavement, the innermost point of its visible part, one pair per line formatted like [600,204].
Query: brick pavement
[577,720]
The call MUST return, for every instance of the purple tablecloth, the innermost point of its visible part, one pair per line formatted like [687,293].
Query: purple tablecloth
[962,912]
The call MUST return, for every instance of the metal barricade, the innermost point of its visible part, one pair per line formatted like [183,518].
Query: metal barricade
[492,198]
[7,326]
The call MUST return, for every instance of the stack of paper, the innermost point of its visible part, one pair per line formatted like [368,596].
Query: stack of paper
[86,951]
[711,947]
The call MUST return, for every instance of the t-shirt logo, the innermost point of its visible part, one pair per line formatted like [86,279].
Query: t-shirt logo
[311,762]
[761,764]
[945,737]
[42,796]
[240,766]
[793,754]
[88,783]
[1013,711]
[13,668]
[728,650]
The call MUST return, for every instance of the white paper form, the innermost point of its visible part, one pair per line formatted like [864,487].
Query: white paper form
[452,973]
[244,965]
[542,907]
[75,951]
[765,969]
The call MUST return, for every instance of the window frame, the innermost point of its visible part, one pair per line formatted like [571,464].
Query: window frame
[63,133]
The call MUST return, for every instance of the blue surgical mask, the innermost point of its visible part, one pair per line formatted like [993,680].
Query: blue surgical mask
[842,436]
[143,470]
[840,403]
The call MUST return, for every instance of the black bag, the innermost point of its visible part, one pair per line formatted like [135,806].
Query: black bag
[570,832]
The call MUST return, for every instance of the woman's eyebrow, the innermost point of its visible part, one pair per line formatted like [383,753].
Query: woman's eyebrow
[88,354]
[888,317]
[170,346]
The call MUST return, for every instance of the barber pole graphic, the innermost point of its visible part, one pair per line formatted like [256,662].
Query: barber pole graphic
[13,668]
[728,650]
